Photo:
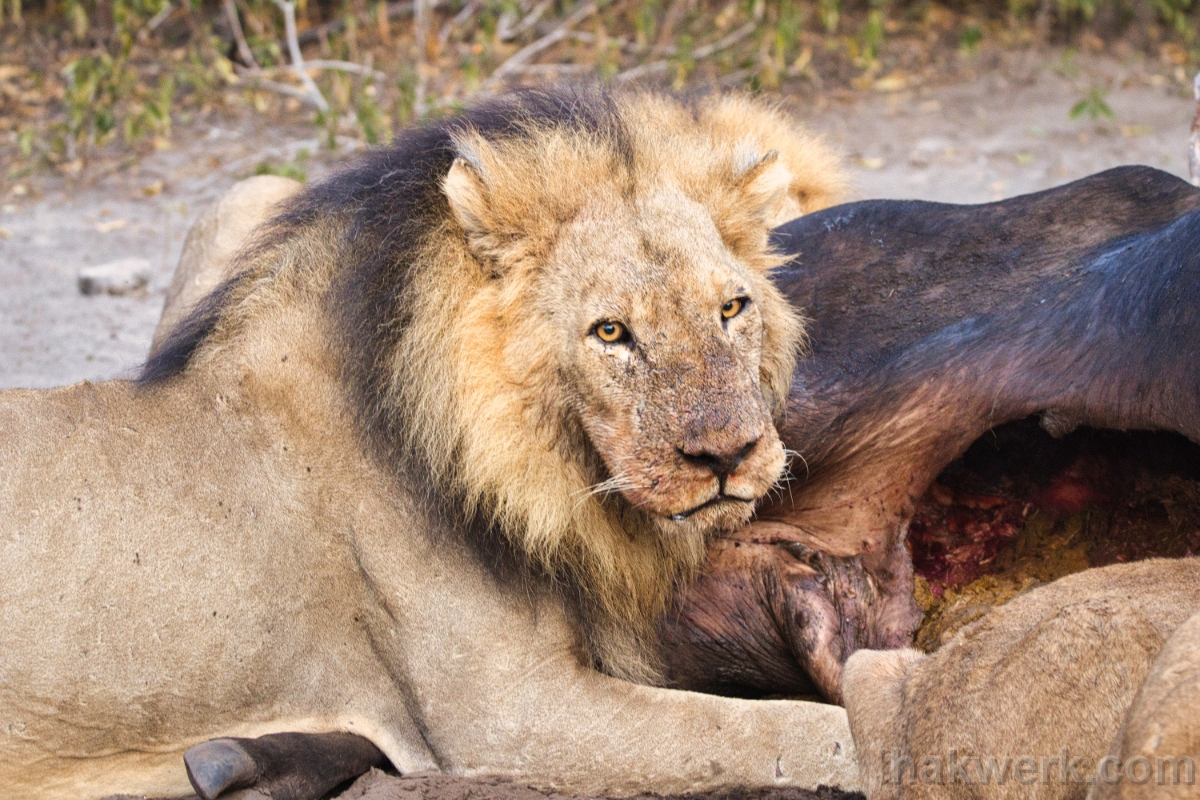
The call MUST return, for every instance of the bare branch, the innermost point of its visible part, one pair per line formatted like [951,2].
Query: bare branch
[452,24]
[421,11]
[672,18]
[143,33]
[526,54]
[288,7]
[317,64]
[239,36]
[1194,150]
[555,69]
[626,45]
[507,34]
[643,70]
[282,88]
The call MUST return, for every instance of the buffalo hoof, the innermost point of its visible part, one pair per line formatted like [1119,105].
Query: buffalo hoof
[282,766]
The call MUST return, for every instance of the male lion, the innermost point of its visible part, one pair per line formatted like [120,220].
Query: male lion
[448,441]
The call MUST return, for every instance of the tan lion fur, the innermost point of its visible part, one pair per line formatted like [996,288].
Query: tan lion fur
[213,241]
[1162,727]
[274,530]
[1052,671]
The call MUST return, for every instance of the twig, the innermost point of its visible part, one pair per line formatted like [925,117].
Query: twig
[653,67]
[288,7]
[338,25]
[143,33]
[507,34]
[454,22]
[151,24]
[736,78]
[555,69]
[282,88]
[526,54]
[253,21]
[674,14]
[1042,20]
[626,45]
[239,36]
[421,32]
[1194,150]
[317,64]
[394,11]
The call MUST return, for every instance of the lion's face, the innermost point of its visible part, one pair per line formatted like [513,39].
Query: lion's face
[635,308]
[661,341]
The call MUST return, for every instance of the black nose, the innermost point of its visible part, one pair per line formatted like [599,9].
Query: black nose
[721,463]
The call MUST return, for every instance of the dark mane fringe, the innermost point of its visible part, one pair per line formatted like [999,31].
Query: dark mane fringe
[390,200]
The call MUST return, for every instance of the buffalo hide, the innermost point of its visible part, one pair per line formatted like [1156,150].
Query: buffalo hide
[931,324]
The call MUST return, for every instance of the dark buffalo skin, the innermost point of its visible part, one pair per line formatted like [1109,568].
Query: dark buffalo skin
[282,766]
[930,324]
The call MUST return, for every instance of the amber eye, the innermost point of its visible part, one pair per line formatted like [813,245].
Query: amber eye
[733,307]
[610,332]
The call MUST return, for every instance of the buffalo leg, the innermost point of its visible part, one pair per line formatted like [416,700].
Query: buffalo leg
[283,766]
[771,614]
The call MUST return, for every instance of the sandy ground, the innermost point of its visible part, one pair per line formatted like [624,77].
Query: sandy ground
[1002,131]
[375,785]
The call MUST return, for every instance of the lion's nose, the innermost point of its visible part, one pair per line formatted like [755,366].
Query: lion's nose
[721,462]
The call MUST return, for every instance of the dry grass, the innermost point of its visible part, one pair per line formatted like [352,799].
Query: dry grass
[90,81]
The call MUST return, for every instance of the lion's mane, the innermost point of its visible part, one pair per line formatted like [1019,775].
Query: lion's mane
[429,343]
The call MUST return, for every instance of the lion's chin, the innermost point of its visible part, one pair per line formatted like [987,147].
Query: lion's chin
[720,516]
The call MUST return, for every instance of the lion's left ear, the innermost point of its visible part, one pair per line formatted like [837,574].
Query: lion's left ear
[467,192]
[497,229]
[764,181]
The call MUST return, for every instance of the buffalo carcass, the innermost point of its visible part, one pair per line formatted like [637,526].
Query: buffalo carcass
[930,325]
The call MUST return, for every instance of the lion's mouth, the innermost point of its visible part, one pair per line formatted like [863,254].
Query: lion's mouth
[716,500]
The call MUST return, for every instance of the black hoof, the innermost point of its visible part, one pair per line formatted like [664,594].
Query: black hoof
[282,766]
[218,766]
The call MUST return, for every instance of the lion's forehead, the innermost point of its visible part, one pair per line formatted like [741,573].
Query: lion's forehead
[646,257]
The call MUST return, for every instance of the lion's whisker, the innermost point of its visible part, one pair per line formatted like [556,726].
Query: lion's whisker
[617,483]
[797,454]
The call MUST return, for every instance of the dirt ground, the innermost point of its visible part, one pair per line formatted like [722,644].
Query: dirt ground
[376,785]
[999,127]
[379,785]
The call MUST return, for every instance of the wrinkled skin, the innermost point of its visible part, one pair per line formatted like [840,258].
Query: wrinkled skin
[772,615]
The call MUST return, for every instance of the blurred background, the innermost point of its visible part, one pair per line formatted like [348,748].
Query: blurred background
[121,119]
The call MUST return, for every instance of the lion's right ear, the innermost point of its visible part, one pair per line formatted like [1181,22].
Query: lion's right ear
[765,180]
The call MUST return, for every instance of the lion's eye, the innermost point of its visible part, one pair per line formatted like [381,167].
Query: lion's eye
[611,332]
[734,307]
